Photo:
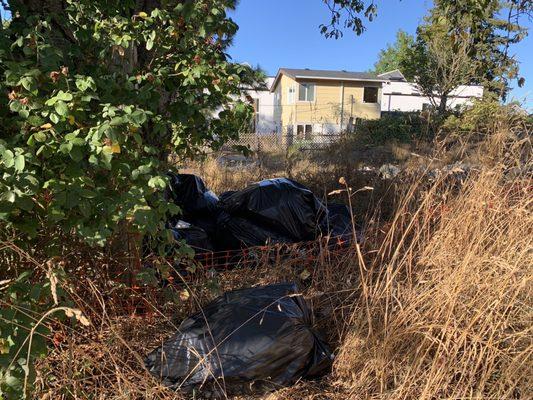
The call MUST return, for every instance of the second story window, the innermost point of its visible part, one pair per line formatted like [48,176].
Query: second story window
[307,92]
[291,96]
[370,95]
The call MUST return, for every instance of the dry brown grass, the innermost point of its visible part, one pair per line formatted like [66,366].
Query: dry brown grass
[450,315]
[440,307]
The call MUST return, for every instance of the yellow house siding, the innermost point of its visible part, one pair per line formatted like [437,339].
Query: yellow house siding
[326,108]
[332,99]
[357,108]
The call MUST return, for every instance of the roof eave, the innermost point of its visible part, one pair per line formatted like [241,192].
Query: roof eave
[340,79]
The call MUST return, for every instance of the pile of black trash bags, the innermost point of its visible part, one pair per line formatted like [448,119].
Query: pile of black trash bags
[247,340]
[268,212]
[255,339]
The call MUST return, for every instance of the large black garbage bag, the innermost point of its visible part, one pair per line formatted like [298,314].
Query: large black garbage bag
[337,223]
[194,236]
[225,195]
[280,204]
[234,232]
[199,205]
[260,335]
[190,193]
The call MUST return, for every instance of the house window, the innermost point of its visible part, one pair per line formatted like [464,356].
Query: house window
[306,92]
[370,95]
[291,95]
[304,132]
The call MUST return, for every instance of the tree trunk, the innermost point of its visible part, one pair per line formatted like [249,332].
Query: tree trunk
[442,104]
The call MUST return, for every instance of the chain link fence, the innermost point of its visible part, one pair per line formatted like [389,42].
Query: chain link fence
[280,142]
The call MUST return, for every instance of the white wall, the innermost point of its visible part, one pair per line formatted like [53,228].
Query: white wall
[265,122]
[404,96]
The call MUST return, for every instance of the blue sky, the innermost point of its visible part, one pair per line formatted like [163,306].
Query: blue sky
[285,33]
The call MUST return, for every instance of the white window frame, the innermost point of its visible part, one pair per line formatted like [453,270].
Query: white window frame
[306,85]
[305,124]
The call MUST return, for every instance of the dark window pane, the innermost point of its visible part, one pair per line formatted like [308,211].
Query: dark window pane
[306,92]
[310,92]
[370,95]
[300,131]
[308,132]
[301,93]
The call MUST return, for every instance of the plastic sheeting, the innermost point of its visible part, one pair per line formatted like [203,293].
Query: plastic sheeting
[198,204]
[273,211]
[337,222]
[190,194]
[194,236]
[259,335]
[236,232]
[280,204]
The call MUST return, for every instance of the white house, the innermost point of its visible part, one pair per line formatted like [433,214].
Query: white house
[400,95]
[264,105]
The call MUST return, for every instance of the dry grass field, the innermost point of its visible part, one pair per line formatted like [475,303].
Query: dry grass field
[435,304]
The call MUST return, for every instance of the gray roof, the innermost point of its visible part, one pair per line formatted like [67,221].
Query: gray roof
[316,73]
[394,75]
[326,74]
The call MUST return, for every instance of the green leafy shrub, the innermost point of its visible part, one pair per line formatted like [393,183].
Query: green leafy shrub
[94,97]
[400,127]
[483,117]
[91,111]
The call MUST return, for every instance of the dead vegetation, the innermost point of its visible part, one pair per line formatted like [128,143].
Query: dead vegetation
[439,306]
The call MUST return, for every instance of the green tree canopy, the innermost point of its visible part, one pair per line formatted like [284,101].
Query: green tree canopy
[466,42]
[97,94]
[391,57]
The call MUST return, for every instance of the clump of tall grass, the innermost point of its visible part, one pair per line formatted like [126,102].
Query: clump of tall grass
[448,312]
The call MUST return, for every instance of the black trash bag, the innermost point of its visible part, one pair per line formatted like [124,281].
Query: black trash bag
[280,204]
[194,236]
[337,223]
[199,206]
[225,195]
[258,335]
[190,194]
[234,232]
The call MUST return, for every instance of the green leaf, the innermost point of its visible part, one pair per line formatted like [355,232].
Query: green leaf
[84,83]
[26,203]
[27,83]
[64,96]
[150,41]
[12,382]
[157,182]
[9,196]
[20,163]
[8,158]
[40,136]
[54,118]
[88,194]
[35,120]
[76,153]
[116,121]
[61,108]
[77,141]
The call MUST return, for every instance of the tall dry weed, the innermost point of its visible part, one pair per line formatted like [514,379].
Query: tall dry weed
[449,313]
